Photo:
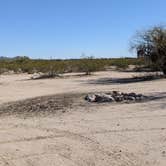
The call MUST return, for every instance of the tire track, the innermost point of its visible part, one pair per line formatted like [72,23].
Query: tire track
[99,152]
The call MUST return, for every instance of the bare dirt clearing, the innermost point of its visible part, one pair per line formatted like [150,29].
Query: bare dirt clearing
[85,135]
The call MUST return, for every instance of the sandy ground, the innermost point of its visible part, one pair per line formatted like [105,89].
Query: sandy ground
[100,135]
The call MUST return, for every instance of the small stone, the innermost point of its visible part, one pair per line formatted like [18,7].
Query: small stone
[90,98]
[119,98]
[131,98]
[132,94]
[107,98]
[139,95]
[125,96]
[116,93]
[138,98]
[98,98]
[104,98]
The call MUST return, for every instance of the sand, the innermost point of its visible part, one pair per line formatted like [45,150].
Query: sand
[98,135]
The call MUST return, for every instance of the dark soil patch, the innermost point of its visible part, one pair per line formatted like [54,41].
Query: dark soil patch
[42,105]
[56,104]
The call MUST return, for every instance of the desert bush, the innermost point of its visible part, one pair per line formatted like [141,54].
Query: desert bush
[89,65]
[54,67]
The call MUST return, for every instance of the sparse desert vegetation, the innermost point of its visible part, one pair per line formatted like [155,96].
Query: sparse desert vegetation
[53,67]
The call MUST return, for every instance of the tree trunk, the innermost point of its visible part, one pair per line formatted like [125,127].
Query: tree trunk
[164,69]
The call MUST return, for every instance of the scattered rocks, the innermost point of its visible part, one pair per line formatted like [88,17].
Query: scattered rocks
[90,98]
[99,98]
[114,96]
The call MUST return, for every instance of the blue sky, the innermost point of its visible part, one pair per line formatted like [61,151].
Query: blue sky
[68,28]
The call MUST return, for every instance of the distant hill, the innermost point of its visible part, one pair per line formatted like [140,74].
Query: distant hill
[13,58]
[4,58]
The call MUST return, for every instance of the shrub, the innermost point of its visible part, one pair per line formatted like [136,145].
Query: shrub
[54,67]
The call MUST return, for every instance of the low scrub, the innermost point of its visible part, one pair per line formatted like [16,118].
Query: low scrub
[54,67]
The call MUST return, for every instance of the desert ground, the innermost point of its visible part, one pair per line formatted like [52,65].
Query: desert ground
[81,133]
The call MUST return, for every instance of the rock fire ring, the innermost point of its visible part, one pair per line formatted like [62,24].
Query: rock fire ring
[115,96]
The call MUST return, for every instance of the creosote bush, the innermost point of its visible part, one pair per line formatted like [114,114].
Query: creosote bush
[54,67]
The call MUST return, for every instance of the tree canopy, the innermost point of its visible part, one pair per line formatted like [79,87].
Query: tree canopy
[151,44]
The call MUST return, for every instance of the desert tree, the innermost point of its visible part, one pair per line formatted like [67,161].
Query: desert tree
[151,45]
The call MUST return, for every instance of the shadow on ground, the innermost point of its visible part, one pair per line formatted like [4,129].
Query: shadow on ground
[107,81]
[157,96]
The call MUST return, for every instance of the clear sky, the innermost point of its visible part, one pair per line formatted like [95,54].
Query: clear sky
[68,28]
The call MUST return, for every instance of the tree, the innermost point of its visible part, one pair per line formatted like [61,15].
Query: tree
[151,44]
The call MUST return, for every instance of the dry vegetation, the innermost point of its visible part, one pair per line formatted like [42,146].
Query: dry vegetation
[53,67]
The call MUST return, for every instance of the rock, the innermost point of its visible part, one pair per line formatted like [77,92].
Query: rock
[90,98]
[140,97]
[116,93]
[119,98]
[132,94]
[107,98]
[125,96]
[99,98]
[103,98]
[131,98]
